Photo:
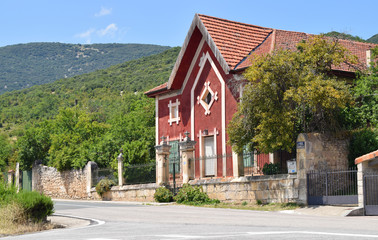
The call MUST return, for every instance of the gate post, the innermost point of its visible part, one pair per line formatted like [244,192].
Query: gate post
[302,168]
[361,168]
[17,176]
[120,168]
[11,177]
[187,154]
[162,152]
[237,164]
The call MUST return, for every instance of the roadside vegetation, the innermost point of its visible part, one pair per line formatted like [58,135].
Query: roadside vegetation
[195,196]
[22,212]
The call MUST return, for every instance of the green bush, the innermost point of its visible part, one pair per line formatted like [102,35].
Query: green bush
[104,185]
[193,195]
[36,206]
[361,143]
[6,193]
[162,194]
[271,168]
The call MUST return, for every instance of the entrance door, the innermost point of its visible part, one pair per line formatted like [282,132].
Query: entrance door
[210,157]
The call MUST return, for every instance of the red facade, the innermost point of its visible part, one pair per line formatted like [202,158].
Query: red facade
[203,90]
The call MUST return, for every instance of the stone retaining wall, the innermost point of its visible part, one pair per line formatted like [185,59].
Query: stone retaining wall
[276,188]
[65,185]
[132,193]
[74,185]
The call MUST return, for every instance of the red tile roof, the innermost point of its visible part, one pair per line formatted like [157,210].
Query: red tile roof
[158,89]
[237,42]
[367,157]
[234,40]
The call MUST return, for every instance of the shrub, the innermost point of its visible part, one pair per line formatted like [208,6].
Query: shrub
[104,185]
[36,206]
[271,168]
[193,195]
[6,192]
[162,194]
[361,143]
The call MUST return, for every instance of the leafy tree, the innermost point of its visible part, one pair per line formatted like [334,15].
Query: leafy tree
[6,151]
[366,95]
[290,92]
[74,133]
[34,145]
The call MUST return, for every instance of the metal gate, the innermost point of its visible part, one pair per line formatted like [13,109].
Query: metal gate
[332,187]
[371,194]
[175,179]
[26,180]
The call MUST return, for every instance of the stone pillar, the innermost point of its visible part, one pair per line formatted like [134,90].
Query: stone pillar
[302,168]
[361,168]
[10,177]
[88,169]
[237,164]
[17,176]
[162,152]
[120,169]
[187,154]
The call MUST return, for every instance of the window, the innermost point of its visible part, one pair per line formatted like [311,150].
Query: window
[207,98]
[173,112]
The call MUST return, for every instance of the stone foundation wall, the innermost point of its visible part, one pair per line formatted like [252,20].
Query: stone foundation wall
[132,193]
[278,188]
[74,185]
[65,185]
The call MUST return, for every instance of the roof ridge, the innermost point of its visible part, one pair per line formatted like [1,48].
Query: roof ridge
[340,39]
[226,20]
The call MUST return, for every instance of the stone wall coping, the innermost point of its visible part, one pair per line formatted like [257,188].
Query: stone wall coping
[245,179]
[131,187]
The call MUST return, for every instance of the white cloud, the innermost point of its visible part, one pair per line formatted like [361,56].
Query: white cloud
[109,30]
[103,12]
[86,34]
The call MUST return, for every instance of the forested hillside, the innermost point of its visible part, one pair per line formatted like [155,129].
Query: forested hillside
[85,118]
[25,65]
[98,91]
[373,39]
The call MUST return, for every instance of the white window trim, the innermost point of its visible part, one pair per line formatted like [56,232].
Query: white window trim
[174,106]
[201,99]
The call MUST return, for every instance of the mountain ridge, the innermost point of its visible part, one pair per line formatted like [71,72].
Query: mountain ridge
[26,65]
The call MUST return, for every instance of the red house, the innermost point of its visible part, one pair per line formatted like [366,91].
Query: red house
[206,84]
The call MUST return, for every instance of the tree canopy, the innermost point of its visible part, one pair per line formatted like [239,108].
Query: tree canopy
[366,94]
[289,92]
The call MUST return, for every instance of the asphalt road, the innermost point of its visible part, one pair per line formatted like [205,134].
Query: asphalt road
[115,220]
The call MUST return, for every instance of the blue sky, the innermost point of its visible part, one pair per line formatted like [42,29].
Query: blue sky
[167,22]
